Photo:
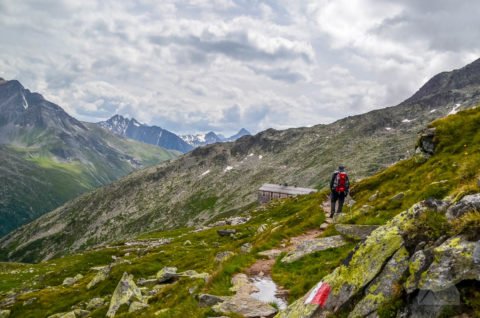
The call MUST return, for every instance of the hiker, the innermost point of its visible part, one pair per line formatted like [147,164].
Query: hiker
[339,185]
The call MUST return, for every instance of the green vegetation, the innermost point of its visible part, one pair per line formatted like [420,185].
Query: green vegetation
[300,276]
[452,171]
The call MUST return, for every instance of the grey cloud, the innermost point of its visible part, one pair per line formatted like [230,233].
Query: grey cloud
[235,45]
[279,74]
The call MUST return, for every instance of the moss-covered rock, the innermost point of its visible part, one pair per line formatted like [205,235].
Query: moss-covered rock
[101,275]
[347,280]
[125,293]
[382,289]
[453,262]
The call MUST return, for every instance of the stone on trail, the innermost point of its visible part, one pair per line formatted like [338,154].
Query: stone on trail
[166,274]
[101,275]
[380,291]
[125,293]
[270,254]
[312,246]
[358,232]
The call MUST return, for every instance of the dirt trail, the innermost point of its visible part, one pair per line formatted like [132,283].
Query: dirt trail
[263,267]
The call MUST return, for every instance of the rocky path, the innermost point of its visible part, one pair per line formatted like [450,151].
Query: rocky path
[263,267]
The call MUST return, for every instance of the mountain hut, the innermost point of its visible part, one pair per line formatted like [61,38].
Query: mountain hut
[269,192]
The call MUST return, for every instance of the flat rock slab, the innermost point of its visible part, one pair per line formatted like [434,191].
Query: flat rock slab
[312,246]
[270,254]
[358,232]
[245,306]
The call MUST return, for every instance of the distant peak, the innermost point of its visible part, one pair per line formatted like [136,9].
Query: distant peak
[244,131]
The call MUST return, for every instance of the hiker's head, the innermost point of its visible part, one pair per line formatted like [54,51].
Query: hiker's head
[341,168]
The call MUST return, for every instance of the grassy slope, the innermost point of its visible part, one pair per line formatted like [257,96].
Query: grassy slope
[458,141]
[35,182]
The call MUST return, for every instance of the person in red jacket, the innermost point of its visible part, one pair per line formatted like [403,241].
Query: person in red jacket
[339,185]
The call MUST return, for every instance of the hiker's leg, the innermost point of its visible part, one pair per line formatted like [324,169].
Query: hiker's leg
[341,200]
[333,202]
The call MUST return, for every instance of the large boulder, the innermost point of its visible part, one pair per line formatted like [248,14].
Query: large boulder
[381,290]
[312,246]
[453,262]
[347,280]
[467,204]
[366,263]
[357,232]
[125,293]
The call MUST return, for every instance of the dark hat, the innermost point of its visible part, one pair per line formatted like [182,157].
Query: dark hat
[341,167]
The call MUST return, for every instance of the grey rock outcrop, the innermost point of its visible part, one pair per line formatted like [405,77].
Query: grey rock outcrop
[467,204]
[453,262]
[245,306]
[381,290]
[426,144]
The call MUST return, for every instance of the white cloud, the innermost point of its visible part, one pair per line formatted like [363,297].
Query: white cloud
[197,65]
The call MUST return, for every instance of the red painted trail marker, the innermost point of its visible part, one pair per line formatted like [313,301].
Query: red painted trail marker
[319,295]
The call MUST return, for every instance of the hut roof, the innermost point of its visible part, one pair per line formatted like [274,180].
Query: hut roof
[278,188]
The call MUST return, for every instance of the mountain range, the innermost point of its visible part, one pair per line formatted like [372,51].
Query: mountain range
[48,157]
[221,179]
[199,140]
[154,135]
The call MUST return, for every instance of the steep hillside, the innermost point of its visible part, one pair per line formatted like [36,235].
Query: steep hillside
[222,179]
[153,135]
[423,259]
[49,157]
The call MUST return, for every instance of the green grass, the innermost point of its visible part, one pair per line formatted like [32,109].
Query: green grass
[452,171]
[300,276]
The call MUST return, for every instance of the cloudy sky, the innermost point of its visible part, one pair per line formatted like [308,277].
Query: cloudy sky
[200,65]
